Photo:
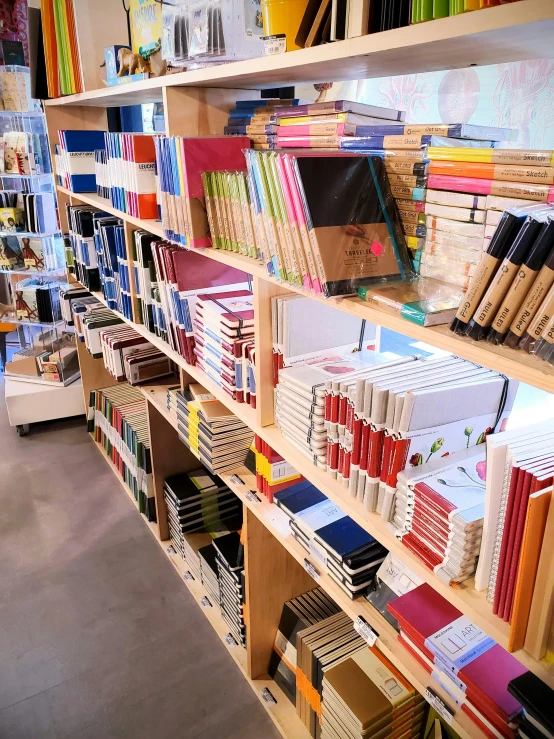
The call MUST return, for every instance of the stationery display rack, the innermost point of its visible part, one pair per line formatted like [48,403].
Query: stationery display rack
[196,103]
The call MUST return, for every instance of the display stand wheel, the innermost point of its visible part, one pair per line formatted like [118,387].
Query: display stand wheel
[23,429]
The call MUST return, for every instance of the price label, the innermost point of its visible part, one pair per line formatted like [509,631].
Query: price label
[205,602]
[311,570]
[365,631]
[276,44]
[268,696]
[170,549]
[29,262]
[236,480]
[5,263]
[439,705]
[230,640]
[188,575]
[252,497]
[22,314]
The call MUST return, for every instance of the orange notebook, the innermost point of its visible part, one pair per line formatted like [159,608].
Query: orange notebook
[486,171]
[535,523]
[542,602]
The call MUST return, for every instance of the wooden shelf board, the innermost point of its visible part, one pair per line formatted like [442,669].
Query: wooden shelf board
[511,32]
[516,364]
[283,713]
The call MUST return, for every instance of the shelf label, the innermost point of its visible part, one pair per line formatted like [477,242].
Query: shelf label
[439,705]
[311,570]
[205,602]
[365,631]
[268,696]
[170,549]
[29,262]
[236,480]
[252,497]
[188,575]
[276,44]
[230,640]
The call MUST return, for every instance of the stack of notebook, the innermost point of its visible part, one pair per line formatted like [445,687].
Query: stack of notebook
[337,544]
[224,321]
[230,567]
[211,431]
[256,119]
[128,355]
[439,512]
[76,160]
[367,695]
[298,613]
[36,301]
[197,502]
[273,472]
[61,48]
[208,572]
[180,163]
[191,546]
[476,671]
[537,700]
[118,420]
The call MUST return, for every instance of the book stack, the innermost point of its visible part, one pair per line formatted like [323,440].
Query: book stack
[144,270]
[113,265]
[198,502]
[24,154]
[348,554]
[118,420]
[304,330]
[171,400]
[514,561]
[131,173]
[224,322]
[300,400]
[180,163]
[256,119]
[405,414]
[209,429]
[92,321]
[308,609]
[393,579]
[31,253]
[37,300]
[230,568]
[439,512]
[172,279]
[366,693]
[273,473]
[509,299]
[209,574]
[61,48]
[324,125]
[76,160]
[129,356]
[80,219]
[475,671]
[536,698]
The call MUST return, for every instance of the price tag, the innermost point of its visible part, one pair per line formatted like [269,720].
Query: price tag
[170,549]
[365,631]
[230,640]
[204,602]
[236,480]
[188,575]
[5,263]
[311,570]
[252,497]
[276,44]
[29,262]
[439,705]
[22,314]
[268,696]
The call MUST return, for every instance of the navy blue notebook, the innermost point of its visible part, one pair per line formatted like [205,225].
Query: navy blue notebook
[298,497]
[344,537]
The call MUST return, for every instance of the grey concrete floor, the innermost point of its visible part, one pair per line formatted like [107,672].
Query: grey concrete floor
[99,638]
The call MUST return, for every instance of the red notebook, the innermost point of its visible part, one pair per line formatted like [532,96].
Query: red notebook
[423,612]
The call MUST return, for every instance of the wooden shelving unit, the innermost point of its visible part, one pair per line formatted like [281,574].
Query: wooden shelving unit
[196,103]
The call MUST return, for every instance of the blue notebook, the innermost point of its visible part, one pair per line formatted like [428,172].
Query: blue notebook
[298,497]
[344,537]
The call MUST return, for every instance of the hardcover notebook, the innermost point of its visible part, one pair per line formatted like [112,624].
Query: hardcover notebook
[353,222]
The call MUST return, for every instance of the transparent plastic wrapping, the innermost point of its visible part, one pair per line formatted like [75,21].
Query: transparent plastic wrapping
[470,256]
[444,238]
[22,254]
[380,595]
[15,89]
[46,355]
[458,228]
[197,33]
